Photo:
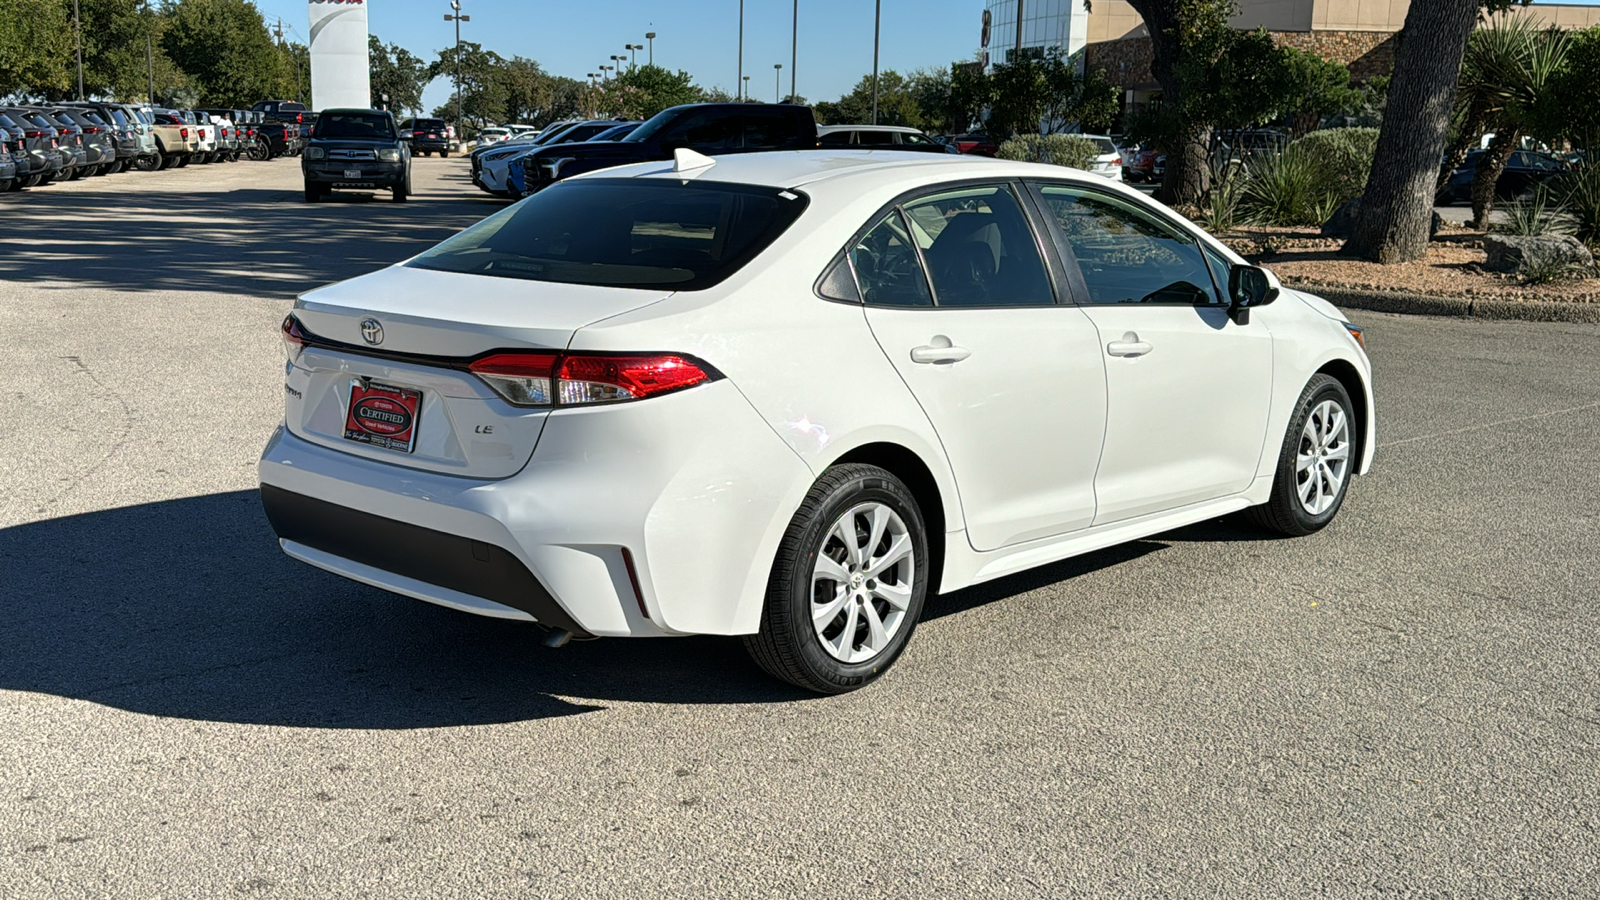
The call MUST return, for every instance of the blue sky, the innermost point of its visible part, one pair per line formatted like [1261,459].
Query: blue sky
[572,37]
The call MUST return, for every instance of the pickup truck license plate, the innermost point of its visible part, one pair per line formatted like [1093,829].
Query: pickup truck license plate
[352,173]
[382,415]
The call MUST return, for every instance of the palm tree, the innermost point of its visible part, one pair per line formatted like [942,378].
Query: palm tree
[1504,79]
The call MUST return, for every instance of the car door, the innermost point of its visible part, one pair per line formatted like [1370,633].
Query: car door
[1189,389]
[958,295]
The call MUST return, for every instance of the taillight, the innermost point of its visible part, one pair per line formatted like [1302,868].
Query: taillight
[418,133]
[31,134]
[183,133]
[94,130]
[299,118]
[545,379]
[294,340]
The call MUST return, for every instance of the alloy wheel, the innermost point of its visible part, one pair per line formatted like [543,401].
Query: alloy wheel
[861,585]
[1323,461]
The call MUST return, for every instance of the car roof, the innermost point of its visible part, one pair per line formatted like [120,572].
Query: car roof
[901,129]
[800,168]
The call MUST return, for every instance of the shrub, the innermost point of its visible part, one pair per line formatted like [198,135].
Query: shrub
[1072,150]
[1287,189]
[1545,269]
[1578,193]
[1535,215]
[1219,208]
[1343,157]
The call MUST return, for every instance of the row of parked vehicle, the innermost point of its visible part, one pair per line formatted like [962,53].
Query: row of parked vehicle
[69,140]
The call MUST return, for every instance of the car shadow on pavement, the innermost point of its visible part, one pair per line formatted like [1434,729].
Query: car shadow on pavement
[187,608]
[254,242]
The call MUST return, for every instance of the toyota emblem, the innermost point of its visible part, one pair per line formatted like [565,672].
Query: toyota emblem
[371,331]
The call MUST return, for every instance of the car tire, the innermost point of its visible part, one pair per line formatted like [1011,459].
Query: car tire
[402,190]
[314,192]
[873,617]
[1323,430]
[445,154]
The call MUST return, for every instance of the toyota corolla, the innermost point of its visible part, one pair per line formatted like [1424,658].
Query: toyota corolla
[790,396]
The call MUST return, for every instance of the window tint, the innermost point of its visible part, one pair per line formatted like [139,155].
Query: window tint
[887,268]
[776,129]
[354,125]
[1127,255]
[979,249]
[702,130]
[875,138]
[835,139]
[621,233]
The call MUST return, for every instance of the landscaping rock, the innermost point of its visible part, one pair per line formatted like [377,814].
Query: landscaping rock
[1516,254]
[1343,221]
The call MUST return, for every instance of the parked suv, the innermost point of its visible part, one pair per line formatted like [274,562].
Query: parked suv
[42,144]
[880,137]
[356,148]
[708,128]
[176,140]
[427,136]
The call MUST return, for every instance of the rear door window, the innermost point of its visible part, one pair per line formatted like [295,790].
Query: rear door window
[835,139]
[875,138]
[660,235]
[704,130]
[979,248]
[776,128]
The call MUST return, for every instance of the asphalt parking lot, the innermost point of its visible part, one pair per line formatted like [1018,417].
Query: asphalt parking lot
[1406,703]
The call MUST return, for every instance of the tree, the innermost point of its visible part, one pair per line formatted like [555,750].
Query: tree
[35,47]
[1314,88]
[398,77]
[1393,223]
[971,92]
[483,95]
[1578,83]
[225,48]
[1510,83]
[642,91]
[897,104]
[931,90]
[1187,38]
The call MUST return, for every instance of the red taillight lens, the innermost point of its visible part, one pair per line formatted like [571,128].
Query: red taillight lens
[294,340]
[608,379]
[525,379]
[183,132]
[522,378]
[418,133]
[31,134]
[299,118]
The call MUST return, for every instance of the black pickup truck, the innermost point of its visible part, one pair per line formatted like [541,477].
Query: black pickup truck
[708,128]
[294,116]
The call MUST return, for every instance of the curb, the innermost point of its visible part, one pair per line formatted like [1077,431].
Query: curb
[1422,305]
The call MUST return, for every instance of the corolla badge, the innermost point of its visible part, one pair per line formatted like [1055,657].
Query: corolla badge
[371,331]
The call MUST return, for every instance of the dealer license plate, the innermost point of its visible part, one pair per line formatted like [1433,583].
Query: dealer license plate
[352,173]
[382,415]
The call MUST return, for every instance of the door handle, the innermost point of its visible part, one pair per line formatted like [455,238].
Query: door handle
[1130,346]
[935,354]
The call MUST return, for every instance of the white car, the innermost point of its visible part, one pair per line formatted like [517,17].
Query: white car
[791,395]
[1108,162]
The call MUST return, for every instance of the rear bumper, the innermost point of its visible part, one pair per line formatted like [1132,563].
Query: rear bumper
[646,519]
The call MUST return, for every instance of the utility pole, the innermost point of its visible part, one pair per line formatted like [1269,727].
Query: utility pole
[1016,55]
[651,37]
[458,18]
[877,32]
[777,82]
[794,50]
[741,79]
[77,28]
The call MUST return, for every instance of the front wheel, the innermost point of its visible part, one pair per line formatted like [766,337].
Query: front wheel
[848,584]
[402,190]
[1315,463]
[444,154]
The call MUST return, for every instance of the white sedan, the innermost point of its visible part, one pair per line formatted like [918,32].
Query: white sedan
[791,395]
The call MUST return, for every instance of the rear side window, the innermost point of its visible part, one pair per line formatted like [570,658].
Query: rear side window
[704,129]
[623,233]
[835,139]
[778,128]
[875,138]
[979,249]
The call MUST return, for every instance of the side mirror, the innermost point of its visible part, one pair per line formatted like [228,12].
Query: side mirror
[1248,288]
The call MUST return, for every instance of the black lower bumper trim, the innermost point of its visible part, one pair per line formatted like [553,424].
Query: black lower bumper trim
[446,560]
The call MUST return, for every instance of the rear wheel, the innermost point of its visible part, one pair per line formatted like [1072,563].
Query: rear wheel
[315,191]
[848,584]
[183,160]
[1315,463]
[444,153]
[149,163]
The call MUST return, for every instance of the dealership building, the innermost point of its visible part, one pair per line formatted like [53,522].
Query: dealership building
[1112,37]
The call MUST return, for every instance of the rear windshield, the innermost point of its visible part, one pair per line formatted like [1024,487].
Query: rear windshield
[119,117]
[436,124]
[623,233]
[1104,145]
[360,126]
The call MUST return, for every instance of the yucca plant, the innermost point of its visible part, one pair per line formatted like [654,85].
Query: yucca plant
[1219,208]
[1287,189]
[1578,193]
[1536,215]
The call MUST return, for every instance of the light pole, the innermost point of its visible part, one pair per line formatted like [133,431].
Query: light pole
[458,18]
[651,37]
[150,56]
[877,32]
[77,29]
[794,50]
[740,79]
[777,82]
[746,88]
[633,54]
